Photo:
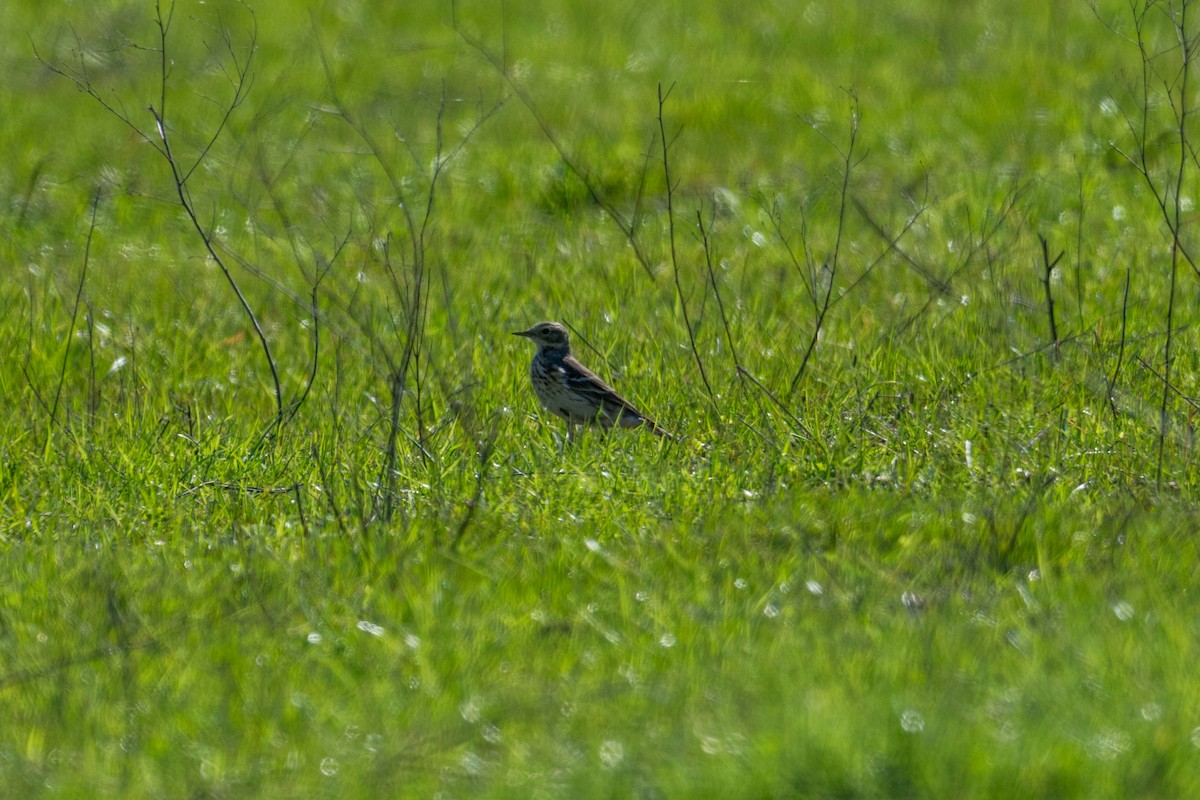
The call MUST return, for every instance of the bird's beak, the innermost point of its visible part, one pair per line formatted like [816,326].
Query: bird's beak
[522,333]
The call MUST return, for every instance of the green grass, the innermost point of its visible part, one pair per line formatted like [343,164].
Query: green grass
[950,563]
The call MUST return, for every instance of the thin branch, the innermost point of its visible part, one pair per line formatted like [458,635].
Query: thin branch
[1079,246]
[939,285]
[62,372]
[1175,222]
[712,277]
[830,267]
[186,202]
[778,403]
[1048,272]
[241,80]
[666,162]
[499,63]
[481,474]
[1112,403]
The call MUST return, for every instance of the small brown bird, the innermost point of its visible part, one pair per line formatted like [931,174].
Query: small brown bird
[571,390]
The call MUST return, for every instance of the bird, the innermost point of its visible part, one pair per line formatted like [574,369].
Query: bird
[572,391]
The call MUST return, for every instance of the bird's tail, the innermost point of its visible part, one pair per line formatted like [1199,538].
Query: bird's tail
[658,430]
[630,417]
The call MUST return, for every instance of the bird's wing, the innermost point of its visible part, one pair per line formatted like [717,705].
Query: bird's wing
[580,379]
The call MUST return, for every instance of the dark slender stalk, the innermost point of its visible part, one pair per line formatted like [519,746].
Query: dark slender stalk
[778,404]
[628,226]
[485,457]
[1079,249]
[666,161]
[180,176]
[1047,273]
[830,267]
[93,402]
[712,277]
[1182,112]
[62,371]
[1112,383]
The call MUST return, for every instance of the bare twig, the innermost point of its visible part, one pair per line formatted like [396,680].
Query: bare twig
[778,403]
[1048,265]
[315,316]
[240,79]
[1175,218]
[981,243]
[712,277]
[481,473]
[666,163]
[408,275]
[25,362]
[240,488]
[1171,387]
[627,225]
[62,372]
[1172,84]
[1079,246]
[1112,383]
[827,273]
[942,287]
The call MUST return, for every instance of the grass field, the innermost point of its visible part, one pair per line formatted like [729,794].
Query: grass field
[279,513]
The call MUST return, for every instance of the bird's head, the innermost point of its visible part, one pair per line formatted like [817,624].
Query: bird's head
[547,336]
